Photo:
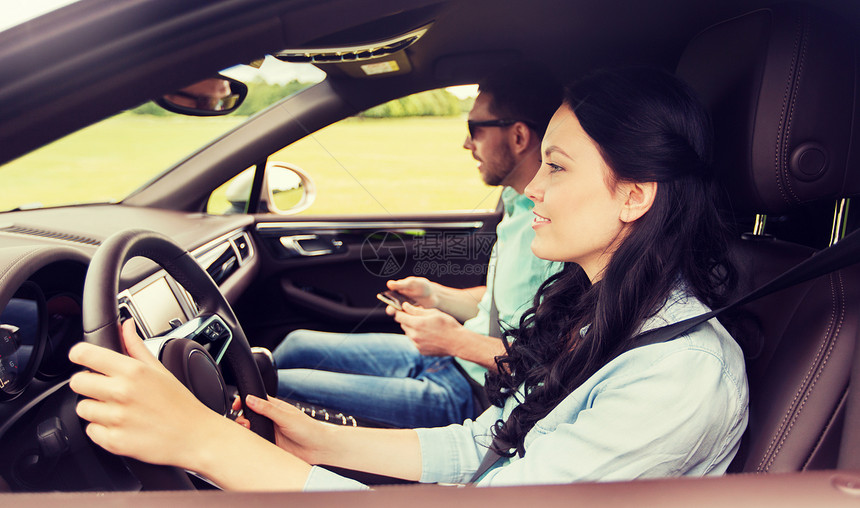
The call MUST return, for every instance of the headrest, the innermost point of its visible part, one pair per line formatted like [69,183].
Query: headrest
[782,87]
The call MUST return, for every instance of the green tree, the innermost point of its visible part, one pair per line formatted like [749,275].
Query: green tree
[438,102]
[261,95]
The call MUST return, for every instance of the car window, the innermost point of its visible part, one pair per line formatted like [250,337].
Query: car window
[405,156]
[109,160]
[15,13]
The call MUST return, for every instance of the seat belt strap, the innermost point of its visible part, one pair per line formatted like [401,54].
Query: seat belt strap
[495,329]
[840,255]
[495,325]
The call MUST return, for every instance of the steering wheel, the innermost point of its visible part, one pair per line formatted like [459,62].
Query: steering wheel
[101,321]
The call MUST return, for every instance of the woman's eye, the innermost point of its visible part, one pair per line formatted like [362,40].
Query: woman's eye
[554,168]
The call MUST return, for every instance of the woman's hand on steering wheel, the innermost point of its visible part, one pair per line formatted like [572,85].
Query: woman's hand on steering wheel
[136,407]
[295,431]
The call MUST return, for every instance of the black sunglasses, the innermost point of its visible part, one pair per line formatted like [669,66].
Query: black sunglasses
[209,103]
[501,122]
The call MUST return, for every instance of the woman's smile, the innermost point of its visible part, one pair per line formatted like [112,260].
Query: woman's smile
[539,220]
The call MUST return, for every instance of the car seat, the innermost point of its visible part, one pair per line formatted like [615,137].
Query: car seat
[782,87]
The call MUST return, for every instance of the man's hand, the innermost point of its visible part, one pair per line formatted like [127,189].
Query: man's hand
[432,331]
[460,303]
[419,289]
[435,333]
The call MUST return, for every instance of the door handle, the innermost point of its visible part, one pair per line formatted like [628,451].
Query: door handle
[311,245]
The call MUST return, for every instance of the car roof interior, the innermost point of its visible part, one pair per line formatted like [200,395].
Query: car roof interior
[782,82]
[179,44]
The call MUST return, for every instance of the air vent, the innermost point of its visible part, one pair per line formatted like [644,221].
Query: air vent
[243,246]
[223,256]
[220,262]
[21,230]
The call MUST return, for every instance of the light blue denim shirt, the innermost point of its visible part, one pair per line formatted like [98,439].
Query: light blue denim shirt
[670,409]
[514,273]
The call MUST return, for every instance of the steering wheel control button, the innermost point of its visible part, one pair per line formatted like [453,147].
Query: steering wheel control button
[216,330]
[212,330]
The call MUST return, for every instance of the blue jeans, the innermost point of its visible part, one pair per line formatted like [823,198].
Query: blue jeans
[380,376]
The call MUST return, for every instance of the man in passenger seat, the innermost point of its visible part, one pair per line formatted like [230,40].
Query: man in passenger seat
[433,375]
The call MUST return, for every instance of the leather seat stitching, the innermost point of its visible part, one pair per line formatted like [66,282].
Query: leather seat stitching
[798,76]
[830,342]
[765,462]
[784,127]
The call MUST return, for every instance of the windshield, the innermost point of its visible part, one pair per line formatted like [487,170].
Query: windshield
[15,13]
[109,160]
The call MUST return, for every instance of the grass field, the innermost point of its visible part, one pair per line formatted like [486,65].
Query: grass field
[106,161]
[360,166]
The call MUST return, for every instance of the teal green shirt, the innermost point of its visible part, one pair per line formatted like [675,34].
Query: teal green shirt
[514,273]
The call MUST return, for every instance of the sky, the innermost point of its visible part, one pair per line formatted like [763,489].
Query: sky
[276,71]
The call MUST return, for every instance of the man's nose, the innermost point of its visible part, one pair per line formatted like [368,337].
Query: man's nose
[467,143]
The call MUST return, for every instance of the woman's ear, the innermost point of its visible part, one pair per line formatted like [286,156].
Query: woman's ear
[639,196]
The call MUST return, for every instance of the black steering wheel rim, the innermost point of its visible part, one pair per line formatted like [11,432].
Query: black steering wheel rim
[101,318]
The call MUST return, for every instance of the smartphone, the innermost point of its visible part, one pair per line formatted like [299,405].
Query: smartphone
[395,299]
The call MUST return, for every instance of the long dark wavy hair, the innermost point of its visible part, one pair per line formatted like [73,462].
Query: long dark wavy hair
[649,127]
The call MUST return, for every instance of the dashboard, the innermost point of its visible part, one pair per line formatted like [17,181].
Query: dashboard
[159,304]
[42,274]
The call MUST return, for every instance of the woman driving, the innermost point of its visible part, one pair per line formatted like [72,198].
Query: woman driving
[625,198]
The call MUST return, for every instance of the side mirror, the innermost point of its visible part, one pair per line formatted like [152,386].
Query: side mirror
[214,96]
[288,190]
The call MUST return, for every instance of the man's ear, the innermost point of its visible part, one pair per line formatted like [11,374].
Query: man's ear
[521,137]
[639,196]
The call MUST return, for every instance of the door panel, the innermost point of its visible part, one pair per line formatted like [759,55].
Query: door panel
[323,274]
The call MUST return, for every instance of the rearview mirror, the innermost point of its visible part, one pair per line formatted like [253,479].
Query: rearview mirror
[214,96]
